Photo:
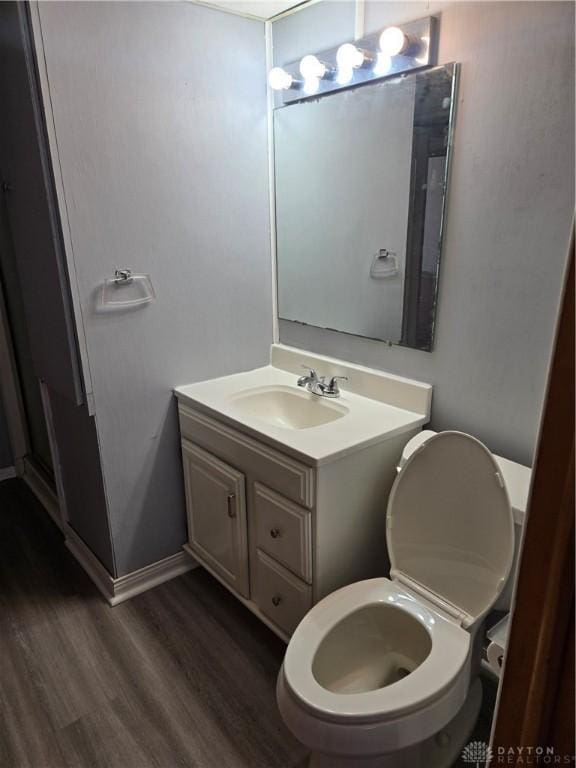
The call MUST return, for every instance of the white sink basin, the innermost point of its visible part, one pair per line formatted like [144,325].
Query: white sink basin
[267,404]
[287,407]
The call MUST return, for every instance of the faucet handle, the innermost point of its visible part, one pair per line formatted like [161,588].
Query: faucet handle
[312,376]
[332,386]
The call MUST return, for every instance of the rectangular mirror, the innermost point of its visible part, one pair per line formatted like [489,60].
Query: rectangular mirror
[361,181]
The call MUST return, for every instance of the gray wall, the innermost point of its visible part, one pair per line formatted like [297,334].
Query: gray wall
[509,213]
[160,116]
[6,459]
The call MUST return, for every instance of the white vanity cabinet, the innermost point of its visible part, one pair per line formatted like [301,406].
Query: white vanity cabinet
[286,490]
[278,531]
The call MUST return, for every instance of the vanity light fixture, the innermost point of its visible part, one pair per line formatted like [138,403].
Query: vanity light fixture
[395,50]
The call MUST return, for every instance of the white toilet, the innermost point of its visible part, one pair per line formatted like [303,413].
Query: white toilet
[383,673]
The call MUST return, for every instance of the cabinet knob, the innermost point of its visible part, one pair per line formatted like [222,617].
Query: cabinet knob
[230,501]
[276,600]
[275,533]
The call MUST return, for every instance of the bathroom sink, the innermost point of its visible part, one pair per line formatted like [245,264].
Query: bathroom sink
[267,404]
[287,407]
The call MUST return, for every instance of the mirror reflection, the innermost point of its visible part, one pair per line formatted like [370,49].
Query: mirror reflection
[360,197]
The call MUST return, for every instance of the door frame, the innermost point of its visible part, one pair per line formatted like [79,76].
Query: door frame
[11,398]
[536,698]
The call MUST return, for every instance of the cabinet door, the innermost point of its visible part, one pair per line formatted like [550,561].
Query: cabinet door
[216,505]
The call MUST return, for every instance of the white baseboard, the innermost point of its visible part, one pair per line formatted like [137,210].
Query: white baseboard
[151,576]
[118,590]
[90,563]
[6,473]
[113,590]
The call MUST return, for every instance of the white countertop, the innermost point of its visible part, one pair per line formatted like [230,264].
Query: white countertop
[367,421]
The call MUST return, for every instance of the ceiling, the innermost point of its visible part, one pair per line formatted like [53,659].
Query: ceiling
[260,9]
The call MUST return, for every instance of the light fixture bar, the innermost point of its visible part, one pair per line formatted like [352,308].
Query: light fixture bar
[391,51]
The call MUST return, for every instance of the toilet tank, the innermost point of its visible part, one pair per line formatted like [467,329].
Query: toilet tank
[517,479]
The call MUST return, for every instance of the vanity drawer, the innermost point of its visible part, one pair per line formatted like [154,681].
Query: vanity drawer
[283,530]
[281,597]
[285,474]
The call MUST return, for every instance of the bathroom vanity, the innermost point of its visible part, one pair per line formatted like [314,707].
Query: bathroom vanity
[285,489]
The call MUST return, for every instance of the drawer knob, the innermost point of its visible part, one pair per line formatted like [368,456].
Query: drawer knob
[230,501]
[276,600]
[275,533]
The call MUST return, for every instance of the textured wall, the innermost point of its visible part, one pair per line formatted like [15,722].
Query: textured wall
[510,209]
[160,116]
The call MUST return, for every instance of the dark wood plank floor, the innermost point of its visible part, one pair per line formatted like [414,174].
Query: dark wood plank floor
[182,675]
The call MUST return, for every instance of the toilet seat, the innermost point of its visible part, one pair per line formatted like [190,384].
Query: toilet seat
[450,527]
[444,667]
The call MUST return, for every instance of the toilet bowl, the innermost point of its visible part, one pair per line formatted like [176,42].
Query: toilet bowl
[383,673]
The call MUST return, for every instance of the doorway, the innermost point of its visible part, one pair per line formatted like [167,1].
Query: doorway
[33,417]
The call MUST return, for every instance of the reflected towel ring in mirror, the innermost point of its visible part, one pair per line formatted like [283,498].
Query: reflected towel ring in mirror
[384,265]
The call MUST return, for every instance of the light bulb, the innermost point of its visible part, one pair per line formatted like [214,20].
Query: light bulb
[383,64]
[311,85]
[279,79]
[345,75]
[393,41]
[312,67]
[349,57]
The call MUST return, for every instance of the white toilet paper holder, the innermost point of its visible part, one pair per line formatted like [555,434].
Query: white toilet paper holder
[498,638]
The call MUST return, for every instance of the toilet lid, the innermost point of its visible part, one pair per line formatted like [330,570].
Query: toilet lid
[450,529]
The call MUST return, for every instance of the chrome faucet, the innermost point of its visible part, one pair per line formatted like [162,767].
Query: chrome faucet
[317,384]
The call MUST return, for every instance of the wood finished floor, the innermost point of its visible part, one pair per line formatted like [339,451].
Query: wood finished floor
[180,676]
